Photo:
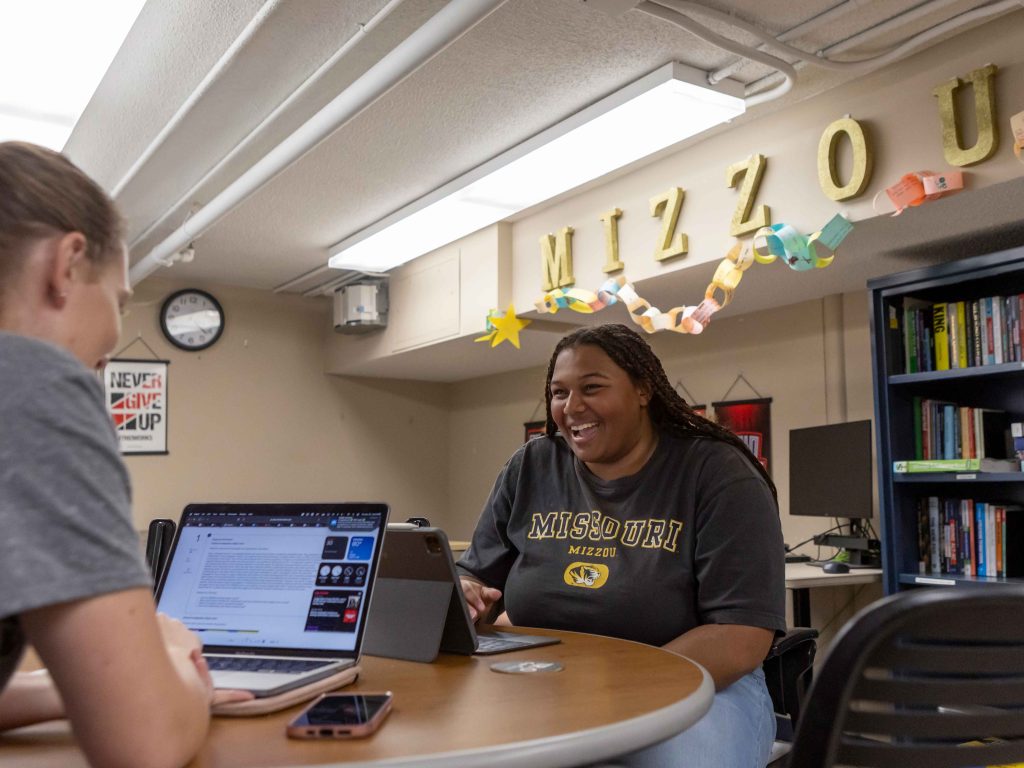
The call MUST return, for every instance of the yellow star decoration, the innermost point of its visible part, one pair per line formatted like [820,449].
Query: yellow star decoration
[503,326]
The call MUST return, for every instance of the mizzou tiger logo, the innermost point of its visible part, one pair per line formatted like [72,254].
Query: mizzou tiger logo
[586,575]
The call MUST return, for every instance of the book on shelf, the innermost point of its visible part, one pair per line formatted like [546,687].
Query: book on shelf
[968,537]
[940,336]
[945,430]
[997,331]
[913,466]
[960,326]
[977,358]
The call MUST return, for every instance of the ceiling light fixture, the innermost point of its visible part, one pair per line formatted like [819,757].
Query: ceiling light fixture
[663,108]
[55,53]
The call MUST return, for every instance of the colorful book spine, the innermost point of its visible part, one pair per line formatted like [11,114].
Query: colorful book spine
[961,334]
[972,544]
[949,436]
[986,331]
[918,428]
[979,527]
[936,465]
[940,336]
[1000,512]
[1003,329]
[910,340]
[933,530]
[990,540]
[977,355]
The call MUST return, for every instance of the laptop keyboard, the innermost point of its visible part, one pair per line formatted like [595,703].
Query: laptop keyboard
[490,643]
[253,664]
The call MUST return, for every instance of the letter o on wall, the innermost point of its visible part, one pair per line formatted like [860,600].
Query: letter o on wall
[827,171]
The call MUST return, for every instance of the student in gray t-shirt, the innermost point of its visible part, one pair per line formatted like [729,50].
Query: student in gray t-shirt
[72,581]
[637,518]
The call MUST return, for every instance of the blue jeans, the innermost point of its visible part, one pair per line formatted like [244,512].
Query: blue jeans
[737,732]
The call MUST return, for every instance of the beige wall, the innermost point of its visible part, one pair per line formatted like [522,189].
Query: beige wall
[254,418]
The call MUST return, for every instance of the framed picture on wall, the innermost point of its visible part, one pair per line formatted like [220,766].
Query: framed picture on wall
[533,429]
[136,397]
[751,421]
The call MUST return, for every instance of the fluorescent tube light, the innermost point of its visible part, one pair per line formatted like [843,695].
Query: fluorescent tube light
[59,50]
[661,109]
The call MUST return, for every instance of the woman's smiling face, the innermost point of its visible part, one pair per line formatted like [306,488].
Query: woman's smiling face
[601,412]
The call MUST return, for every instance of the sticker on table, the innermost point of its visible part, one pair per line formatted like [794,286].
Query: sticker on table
[526,667]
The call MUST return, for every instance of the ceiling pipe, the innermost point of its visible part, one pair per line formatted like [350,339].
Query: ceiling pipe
[803,28]
[952,24]
[361,32]
[451,22]
[200,91]
[696,28]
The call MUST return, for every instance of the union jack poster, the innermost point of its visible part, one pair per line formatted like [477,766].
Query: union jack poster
[136,396]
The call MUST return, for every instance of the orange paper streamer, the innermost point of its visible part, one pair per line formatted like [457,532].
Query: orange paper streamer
[1017,126]
[919,187]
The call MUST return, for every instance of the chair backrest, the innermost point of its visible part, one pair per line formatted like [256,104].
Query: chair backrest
[914,677]
[158,546]
[787,672]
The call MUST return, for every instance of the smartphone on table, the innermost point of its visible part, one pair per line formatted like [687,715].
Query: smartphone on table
[341,716]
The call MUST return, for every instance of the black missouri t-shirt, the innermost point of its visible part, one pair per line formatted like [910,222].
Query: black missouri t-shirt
[693,538]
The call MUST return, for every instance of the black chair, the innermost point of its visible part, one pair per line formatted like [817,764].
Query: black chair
[788,669]
[913,677]
[158,546]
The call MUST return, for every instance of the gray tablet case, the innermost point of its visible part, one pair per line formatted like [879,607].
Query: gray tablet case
[418,608]
[413,597]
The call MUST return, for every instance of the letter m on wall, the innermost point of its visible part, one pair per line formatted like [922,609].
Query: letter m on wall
[556,260]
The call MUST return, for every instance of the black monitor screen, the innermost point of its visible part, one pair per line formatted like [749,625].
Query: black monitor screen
[830,470]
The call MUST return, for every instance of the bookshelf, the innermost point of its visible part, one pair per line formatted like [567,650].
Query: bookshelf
[981,384]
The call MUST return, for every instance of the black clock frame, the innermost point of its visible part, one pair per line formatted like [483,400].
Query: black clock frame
[166,331]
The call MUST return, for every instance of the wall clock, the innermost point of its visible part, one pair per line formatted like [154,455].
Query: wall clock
[191,319]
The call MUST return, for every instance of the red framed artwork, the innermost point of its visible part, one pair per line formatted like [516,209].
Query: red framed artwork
[751,421]
[533,429]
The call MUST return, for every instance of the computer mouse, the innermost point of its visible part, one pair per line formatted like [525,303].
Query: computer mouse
[835,567]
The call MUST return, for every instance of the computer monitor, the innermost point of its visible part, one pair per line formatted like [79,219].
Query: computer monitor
[830,470]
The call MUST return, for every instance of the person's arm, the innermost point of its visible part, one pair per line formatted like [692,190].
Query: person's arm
[726,651]
[30,697]
[490,555]
[135,693]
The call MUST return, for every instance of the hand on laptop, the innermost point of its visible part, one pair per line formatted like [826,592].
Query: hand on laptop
[479,597]
[180,640]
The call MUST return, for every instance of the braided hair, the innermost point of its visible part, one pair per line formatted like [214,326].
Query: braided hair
[668,410]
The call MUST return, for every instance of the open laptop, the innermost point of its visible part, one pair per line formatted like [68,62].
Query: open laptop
[279,593]
[419,608]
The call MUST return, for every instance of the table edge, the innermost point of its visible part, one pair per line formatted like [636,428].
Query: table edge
[571,749]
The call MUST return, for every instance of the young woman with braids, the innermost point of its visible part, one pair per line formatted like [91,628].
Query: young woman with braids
[72,580]
[637,518]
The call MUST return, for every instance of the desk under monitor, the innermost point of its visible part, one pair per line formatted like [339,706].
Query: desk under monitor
[611,698]
[801,577]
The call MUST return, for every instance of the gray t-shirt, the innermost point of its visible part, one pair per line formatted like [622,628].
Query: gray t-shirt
[65,511]
[693,538]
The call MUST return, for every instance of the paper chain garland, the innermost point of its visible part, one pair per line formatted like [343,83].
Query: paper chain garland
[779,241]
[919,187]
[1017,127]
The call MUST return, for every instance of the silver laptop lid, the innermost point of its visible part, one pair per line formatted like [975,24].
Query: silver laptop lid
[275,579]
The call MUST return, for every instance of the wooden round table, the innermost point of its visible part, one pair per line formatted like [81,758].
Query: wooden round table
[611,698]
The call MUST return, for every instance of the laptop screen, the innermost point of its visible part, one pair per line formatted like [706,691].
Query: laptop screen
[275,578]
